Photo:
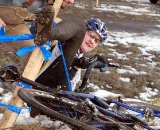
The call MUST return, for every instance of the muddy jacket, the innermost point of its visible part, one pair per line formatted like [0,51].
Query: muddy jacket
[71,35]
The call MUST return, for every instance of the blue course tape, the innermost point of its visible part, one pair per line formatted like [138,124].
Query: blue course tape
[25,50]
[24,85]
[46,54]
[65,67]
[14,108]
[7,38]
[11,107]
[2,30]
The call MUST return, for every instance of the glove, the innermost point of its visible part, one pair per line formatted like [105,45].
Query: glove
[43,24]
[102,63]
[15,15]
[84,62]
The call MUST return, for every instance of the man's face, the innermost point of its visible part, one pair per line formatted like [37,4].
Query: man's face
[66,3]
[91,40]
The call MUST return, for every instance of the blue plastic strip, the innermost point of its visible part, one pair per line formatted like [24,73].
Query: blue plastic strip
[11,107]
[25,50]
[49,43]
[27,108]
[24,85]
[139,115]
[46,54]
[2,30]
[6,38]
[65,67]
[54,24]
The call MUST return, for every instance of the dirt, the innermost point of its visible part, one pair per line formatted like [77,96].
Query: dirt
[115,21]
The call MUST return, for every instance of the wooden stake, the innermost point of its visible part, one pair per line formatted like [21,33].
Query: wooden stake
[31,71]
[97,3]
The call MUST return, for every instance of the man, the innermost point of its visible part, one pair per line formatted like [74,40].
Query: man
[12,17]
[77,37]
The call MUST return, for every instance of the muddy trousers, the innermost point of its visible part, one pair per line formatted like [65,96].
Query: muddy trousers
[17,30]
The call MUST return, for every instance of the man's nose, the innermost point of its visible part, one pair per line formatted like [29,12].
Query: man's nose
[92,41]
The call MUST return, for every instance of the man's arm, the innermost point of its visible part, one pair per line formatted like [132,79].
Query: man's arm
[65,30]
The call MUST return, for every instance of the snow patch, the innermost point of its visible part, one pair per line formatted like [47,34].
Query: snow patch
[125,79]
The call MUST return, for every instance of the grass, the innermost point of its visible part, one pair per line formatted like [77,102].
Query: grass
[157,102]
[135,60]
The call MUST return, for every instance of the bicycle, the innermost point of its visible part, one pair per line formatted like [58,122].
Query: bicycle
[84,111]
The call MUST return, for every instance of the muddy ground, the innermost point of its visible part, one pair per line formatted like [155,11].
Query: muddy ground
[116,22]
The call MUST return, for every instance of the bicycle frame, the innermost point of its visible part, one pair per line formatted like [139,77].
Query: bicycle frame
[105,111]
[96,100]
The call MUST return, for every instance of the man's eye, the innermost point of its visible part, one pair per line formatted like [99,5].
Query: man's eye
[92,36]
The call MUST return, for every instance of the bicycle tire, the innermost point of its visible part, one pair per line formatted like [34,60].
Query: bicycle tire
[30,96]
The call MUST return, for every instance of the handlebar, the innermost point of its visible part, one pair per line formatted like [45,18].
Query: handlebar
[98,62]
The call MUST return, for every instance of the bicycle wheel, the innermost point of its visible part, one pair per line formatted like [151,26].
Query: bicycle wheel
[64,109]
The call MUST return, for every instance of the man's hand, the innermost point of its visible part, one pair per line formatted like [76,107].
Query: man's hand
[2,23]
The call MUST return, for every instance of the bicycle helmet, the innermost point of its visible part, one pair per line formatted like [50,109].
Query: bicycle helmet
[98,26]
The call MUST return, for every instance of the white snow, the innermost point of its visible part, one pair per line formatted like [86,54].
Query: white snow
[125,79]
[106,94]
[7,97]
[148,41]
[131,71]
[1,90]
[25,119]
[147,94]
